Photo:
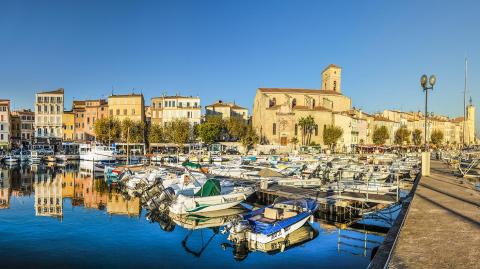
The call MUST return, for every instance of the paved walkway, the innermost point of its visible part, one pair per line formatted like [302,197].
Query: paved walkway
[442,227]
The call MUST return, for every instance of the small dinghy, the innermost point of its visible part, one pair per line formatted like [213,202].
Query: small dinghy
[269,223]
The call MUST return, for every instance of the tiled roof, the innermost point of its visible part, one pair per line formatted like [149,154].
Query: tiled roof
[222,104]
[296,90]
[330,65]
[57,91]
[381,118]
[126,95]
[175,96]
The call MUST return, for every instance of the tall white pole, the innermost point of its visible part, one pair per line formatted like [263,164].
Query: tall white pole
[465,103]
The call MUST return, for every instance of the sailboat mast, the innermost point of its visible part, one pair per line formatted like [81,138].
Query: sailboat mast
[465,103]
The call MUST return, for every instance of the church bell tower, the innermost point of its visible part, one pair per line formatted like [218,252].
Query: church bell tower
[332,78]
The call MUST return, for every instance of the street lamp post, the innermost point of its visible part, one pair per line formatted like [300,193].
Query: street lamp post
[427,84]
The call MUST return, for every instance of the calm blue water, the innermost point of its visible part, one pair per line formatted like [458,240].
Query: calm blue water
[118,235]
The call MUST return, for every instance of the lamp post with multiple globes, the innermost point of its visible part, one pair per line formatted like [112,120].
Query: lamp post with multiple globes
[427,84]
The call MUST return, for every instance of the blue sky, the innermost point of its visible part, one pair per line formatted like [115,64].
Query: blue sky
[228,49]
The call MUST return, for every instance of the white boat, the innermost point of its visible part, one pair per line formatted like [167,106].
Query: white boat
[156,158]
[279,220]
[210,197]
[10,159]
[96,152]
[36,156]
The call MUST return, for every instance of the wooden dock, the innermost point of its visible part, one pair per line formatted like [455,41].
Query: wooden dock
[440,227]
[328,197]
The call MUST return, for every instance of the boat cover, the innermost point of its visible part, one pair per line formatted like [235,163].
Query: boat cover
[191,165]
[210,188]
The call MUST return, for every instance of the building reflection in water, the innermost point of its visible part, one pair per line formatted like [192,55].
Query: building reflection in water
[118,205]
[5,188]
[48,194]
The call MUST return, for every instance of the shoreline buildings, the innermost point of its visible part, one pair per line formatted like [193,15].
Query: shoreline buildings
[277,113]
[275,116]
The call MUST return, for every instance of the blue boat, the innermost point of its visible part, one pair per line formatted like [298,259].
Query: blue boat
[272,222]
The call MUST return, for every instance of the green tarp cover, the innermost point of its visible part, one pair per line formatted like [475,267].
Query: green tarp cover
[191,165]
[210,188]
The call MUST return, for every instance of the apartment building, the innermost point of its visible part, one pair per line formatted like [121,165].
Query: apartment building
[226,110]
[48,114]
[165,109]
[27,122]
[127,106]
[4,123]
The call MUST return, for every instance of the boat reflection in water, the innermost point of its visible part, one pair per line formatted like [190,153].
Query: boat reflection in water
[199,223]
[242,247]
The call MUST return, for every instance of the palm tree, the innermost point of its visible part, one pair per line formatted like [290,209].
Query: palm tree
[308,125]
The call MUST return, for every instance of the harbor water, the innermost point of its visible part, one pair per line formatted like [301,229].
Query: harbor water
[53,217]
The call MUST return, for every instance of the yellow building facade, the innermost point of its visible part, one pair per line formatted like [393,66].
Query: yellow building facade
[68,121]
[127,106]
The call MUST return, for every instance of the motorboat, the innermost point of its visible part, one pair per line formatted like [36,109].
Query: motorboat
[96,152]
[210,196]
[275,221]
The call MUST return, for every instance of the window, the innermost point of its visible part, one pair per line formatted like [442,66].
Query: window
[188,104]
[1,127]
[316,130]
[153,105]
[133,111]
[334,85]
[125,111]
[39,99]
[294,102]
[272,102]
[296,129]
[196,104]
[313,103]
[274,129]
[111,112]
[118,112]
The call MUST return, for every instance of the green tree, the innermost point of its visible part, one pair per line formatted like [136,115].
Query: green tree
[294,141]
[107,130]
[155,134]
[250,139]
[436,137]
[380,135]
[236,127]
[402,135]
[133,131]
[307,124]
[417,137]
[178,132]
[331,134]
[211,130]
